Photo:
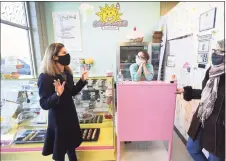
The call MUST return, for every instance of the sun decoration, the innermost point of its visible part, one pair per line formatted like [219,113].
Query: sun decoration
[109,14]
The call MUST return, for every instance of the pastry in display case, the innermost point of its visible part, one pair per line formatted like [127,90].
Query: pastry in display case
[26,136]
[90,134]
[24,117]
[94,120]
[86,116]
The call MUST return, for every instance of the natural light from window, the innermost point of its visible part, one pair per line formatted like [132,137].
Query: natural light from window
[16,57]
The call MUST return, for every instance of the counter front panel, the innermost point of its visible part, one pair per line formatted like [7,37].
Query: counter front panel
[145,111]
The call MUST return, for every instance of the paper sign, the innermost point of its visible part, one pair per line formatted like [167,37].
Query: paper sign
[67,30]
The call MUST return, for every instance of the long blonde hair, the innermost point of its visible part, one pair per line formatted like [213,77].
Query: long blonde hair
[48,65]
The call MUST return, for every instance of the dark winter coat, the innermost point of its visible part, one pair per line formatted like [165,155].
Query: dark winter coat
[63,130]
[213,133]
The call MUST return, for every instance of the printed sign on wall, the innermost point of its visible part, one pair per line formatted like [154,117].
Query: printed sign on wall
[67,30]
[110,18]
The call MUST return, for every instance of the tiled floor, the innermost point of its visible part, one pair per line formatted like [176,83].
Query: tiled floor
[155,151]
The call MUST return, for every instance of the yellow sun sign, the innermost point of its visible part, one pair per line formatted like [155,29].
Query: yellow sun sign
[109,14]
[110,17]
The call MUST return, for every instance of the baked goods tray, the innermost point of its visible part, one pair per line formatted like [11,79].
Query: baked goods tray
[90,134]
[30,137]
[96,119]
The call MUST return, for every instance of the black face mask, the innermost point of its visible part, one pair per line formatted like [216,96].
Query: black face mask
[217,59]
[64,60]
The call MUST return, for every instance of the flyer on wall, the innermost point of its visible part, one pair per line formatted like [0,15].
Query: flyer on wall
[67,30]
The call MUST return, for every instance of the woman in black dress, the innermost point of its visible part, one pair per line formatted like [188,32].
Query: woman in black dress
[207,129]
[56,88]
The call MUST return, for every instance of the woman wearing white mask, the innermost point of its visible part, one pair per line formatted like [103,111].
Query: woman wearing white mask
[142,70]
[207,129]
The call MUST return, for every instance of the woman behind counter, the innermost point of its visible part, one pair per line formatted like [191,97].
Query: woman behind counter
[142,70]
[56,88]
[207,129]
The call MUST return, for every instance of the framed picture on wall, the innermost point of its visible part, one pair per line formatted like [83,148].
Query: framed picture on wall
[207,20]
[204,37]
[202,58]
[204,46]
[170,61]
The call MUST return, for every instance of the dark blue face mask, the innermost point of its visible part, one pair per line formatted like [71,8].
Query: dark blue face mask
[217,59]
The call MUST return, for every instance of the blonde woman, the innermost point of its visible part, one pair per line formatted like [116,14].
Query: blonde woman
[56,88]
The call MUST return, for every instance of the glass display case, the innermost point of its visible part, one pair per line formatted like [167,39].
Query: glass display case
[95,108]
[25,122]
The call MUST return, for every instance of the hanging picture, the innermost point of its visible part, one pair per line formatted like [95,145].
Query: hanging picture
[204,37]
[170,61]
[110,18]
[67,30]
[202,58]
[204,46]
[207,20]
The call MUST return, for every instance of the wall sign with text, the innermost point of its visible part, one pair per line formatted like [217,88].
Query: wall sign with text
[67,30]
[110,18]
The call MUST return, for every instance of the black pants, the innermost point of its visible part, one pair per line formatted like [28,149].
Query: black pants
[71,155]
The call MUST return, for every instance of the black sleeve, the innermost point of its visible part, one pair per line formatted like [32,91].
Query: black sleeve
[190,93]
[78,87]
[48,97]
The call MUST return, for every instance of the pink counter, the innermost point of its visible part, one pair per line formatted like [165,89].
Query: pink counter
[145,112]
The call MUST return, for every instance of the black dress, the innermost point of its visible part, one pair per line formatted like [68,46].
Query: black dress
[63,130]
[213,133]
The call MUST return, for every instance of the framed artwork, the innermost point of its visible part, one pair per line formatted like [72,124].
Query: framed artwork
[205,37]
[170,61]
[202,58]
[204,46]
[207,20]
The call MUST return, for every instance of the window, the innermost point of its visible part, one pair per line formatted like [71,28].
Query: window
[16,50]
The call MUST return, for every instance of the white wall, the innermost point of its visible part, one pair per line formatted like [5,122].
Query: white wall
[183,20]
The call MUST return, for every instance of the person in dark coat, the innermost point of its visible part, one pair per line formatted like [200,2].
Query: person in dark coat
[207,129]
[56,88]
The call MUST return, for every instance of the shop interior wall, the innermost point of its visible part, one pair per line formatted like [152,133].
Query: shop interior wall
[102,44]
[182,20]
[165,7]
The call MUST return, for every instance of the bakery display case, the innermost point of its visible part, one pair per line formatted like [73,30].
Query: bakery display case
[95,107]
[24,126]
